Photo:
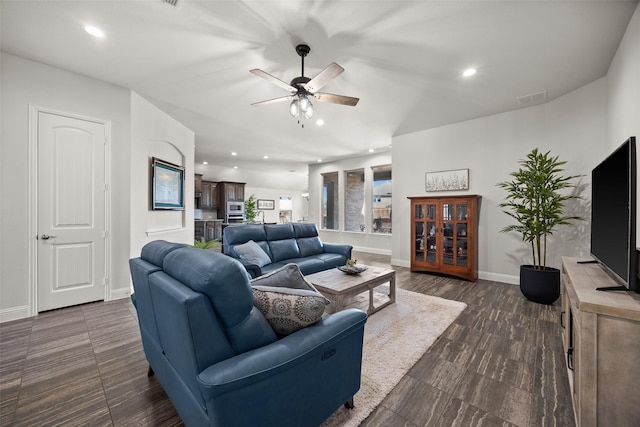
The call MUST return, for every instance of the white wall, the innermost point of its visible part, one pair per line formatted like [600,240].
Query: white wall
[365,241]
[155,134]
[624,92]
[572,127]
[623,79]
[27,83]
[138,131]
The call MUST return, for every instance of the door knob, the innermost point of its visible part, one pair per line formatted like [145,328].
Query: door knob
[47,237]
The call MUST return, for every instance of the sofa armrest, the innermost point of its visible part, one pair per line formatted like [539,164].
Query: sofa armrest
[271,360]
[334,248]
[253,269]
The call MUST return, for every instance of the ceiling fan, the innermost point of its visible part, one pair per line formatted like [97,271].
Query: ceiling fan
[301,88]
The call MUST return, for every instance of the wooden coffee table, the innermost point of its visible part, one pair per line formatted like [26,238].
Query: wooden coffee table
[338,286]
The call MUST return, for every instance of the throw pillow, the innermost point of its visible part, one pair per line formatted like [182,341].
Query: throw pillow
[287,300]
[253,253]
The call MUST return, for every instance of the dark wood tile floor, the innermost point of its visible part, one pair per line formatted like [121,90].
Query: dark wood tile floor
[499,364]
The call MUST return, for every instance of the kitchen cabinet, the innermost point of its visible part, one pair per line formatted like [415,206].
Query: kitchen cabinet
[231,192]
[197,184]
[444,235]
[209,197]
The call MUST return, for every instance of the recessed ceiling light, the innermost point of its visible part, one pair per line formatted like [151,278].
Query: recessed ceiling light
[319,160]
[469,72]
[94,31]
[235,167]
[265,157]
[205,163]
[233,153]
[320,122]
[371,150]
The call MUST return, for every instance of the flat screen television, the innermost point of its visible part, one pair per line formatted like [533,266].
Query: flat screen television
[613,216]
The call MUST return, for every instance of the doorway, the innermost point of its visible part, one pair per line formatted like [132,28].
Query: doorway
[68,208]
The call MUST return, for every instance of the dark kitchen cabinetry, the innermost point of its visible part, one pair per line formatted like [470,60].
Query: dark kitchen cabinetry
[209,197]
[231,192]
[197,184]
[444,235]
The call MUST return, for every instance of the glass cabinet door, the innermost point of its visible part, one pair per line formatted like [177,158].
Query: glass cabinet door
[431,233]
[462,215]
[424,218]
[419,226]
[454,234]
[448,237]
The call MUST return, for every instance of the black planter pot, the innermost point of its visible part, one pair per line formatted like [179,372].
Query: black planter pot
[541,286]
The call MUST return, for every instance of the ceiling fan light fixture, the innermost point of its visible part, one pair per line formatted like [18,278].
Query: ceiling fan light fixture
[304,103]
[294,108]
[309,112]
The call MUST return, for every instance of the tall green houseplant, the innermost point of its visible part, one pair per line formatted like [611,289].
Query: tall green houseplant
[535,201]
[250,211]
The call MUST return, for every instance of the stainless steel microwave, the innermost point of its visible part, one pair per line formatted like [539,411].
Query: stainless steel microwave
[235,208]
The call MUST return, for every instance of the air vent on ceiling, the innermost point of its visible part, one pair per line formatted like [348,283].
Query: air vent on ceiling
[531,99]
[174,3]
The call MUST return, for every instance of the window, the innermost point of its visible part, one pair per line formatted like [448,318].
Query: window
[381,206]
[354,200]
[330,207]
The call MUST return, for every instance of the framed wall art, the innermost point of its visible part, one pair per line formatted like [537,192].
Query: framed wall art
[450,180]
[266,204]
[168,185]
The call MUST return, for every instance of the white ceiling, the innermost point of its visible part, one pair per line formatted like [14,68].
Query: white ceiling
[403,59]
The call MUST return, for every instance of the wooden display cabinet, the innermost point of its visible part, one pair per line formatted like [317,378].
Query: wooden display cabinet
[444,235]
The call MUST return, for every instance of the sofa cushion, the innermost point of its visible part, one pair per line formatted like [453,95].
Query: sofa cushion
[279,231]
[310,246]
[154,252]
[284,249]
[287,300]
[252,253]
[303,229]
[225,282]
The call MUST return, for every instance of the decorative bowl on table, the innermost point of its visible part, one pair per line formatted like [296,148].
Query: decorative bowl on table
[352,269]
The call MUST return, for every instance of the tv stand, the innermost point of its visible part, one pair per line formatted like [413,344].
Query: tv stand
[611,288]
[600,333]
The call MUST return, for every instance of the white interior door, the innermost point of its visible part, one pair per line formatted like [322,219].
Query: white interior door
[71,211]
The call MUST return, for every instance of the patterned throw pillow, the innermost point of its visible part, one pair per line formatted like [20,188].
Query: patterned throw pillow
[287,300]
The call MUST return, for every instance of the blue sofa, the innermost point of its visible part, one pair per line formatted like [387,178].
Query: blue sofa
[217,357]
[285,243]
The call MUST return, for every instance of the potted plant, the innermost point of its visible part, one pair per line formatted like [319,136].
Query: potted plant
[250,211]
[206,244]
[535,202]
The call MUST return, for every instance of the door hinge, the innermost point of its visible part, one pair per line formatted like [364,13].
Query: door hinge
[105,234]
[106,187]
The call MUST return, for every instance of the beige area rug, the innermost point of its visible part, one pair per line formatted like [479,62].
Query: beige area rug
[394,340]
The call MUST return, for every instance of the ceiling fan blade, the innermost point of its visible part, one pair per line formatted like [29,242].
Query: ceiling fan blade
[273,101]
[332,71]
[284,85]
[336,99]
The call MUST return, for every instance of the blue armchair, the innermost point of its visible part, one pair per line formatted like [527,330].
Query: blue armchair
[216,355]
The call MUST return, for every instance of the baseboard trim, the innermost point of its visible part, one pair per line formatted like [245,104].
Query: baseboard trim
[14,313]
[119,293]
[376,251]
[498,277]
[400,263]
